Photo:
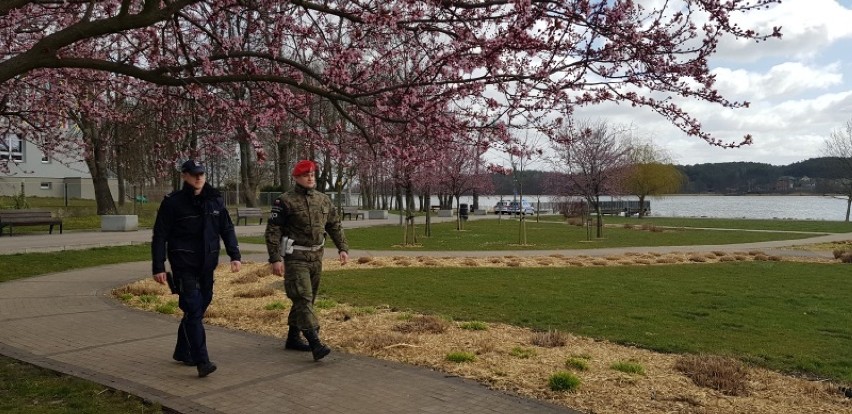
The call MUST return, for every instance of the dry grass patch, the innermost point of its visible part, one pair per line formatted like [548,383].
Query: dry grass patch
[726,375]
[246,279]
[260,292]
[549,339]
[423,324]
[142,287]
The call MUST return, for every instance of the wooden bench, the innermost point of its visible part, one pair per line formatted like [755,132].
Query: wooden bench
[352,212]
[12,218]
[249,212]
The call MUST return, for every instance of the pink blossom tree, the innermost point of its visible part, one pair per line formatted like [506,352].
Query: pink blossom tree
[505,57]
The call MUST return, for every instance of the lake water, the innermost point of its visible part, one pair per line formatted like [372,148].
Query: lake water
[757,207]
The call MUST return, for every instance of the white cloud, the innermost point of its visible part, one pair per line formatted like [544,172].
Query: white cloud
[785,79]
[807,26]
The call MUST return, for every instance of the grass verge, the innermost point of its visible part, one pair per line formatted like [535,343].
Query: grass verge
[492,234]
[27,389]
[793,317]
[16,266]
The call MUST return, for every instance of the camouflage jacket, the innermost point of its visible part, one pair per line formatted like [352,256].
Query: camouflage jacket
[306,216]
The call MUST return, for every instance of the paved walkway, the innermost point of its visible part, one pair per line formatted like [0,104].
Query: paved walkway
[68,322]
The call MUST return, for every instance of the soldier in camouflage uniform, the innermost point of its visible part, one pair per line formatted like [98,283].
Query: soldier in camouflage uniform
[303,215]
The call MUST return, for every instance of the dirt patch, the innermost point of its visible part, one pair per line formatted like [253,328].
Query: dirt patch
[518,359]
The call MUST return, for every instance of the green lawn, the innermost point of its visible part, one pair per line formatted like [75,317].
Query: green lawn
[795,317]
[27,389]
[745,224]
[493,234]
[16,266]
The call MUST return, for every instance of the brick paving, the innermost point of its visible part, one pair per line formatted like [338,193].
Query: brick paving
[68,322]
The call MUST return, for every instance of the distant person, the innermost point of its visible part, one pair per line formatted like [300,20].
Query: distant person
[295,236]
[189,224]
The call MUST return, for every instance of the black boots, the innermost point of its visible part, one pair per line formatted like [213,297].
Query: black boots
[294,340]
[317,348]
[205,369]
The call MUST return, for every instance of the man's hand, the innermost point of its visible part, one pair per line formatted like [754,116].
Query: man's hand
[277,268]
[344,257]
[236,265]
[160,278]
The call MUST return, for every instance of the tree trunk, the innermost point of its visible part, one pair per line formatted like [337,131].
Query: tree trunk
[848,206]
[641,204]
[96,160]
[248,177]
[427,200]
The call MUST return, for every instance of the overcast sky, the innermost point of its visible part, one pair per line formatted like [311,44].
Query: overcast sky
[799,87]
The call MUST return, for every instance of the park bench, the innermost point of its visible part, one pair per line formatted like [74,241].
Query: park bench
[12,218]
[352,212]
[249,212]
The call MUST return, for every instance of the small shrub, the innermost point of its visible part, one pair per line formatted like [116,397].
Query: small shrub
[474,326]
[364,259]
[643,261]
[726,375]
[496,260]
[403,263]
[470,263]
[754,252]
[599,262]
[719,253]
[628,367]
[513,263]
[549,339]
[325,303]
[625,262]
[666,260]
[423,324]
[740,258]
[761,257]
[168,308]
[774,258]
[838,253]
[563,381]
[261,292]
[125,297]
[846,257]
[149,298]
[461,357]
[277,305]
[364,310]
[697,259]
[726,259]
[628,226]
[576,263]
[522,353]
[578,363]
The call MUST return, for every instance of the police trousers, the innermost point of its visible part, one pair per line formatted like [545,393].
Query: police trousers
[301,282]
[196,293]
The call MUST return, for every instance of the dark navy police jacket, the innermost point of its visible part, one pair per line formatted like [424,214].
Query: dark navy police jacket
[188,229]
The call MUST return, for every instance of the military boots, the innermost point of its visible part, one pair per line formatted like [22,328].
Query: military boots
[294,340]
[318,349]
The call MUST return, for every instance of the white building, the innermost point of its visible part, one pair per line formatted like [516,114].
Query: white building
[41,175]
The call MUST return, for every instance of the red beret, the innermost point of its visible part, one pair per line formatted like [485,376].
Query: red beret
[303,167]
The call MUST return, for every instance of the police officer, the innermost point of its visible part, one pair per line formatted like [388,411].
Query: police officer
[302,217]
[189,224]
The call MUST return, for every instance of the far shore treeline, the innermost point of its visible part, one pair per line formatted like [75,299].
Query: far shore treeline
[815,175]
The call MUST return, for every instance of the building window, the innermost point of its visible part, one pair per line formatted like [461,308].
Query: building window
[11,148]
[46,186]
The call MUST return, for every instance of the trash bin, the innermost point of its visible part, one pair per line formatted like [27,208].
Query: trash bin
[463,211]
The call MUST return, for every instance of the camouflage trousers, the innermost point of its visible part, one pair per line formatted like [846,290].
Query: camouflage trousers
[301,282]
